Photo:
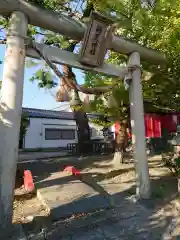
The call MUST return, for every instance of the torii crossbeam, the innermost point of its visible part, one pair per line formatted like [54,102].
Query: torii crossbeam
[69,27]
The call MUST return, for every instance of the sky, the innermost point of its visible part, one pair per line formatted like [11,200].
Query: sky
[34,97]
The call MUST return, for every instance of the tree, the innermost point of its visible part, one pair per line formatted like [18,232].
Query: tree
[148,28]
[23,129]
[114,105]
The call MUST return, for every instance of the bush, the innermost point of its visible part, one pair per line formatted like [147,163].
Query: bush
[172,161]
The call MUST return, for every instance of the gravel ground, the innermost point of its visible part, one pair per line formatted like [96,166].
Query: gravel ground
[26,207]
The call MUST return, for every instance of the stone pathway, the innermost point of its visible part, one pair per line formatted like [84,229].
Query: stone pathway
[127,220]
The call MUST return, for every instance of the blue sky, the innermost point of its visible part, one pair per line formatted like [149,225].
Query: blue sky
[33,96]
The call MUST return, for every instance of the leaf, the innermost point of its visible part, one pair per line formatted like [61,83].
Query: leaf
[177,161]
[31,63]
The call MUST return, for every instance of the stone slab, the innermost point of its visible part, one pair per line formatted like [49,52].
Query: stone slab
[64,195]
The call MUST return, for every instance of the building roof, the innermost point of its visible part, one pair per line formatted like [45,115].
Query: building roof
[42,113]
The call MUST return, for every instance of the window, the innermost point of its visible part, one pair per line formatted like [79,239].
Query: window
[67,134]
[59,134]
[52,134]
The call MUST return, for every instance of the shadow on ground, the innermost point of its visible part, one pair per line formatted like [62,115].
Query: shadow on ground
[164,188]
[123,219]
[42,169]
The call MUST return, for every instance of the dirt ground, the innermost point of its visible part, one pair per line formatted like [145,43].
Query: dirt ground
[26,207]
[114,181]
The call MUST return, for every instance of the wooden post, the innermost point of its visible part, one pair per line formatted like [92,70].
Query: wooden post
[138,129]
[11,107]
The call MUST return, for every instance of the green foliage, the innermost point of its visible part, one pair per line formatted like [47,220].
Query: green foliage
[24,125]
[71,8]
[44,79]
[172,161]
[23,128]
[56,40]
[54,5]
[3,22]
[158,29]
[113,105]
[177,161]
[101,121]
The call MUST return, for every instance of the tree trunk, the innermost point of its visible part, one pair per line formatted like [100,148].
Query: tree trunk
[79,114]
[120,144]
[82,130]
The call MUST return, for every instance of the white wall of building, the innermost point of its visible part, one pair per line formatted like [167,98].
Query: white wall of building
[35,136]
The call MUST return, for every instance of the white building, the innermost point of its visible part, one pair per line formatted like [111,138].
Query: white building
[53,129]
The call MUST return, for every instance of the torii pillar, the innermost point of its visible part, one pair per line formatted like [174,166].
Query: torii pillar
[138,128]
[11,108]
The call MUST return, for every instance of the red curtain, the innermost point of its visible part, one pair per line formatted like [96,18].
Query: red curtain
[153,125]
[168,123]
[148,125]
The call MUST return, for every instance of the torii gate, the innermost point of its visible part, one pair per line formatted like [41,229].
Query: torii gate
[21,13]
